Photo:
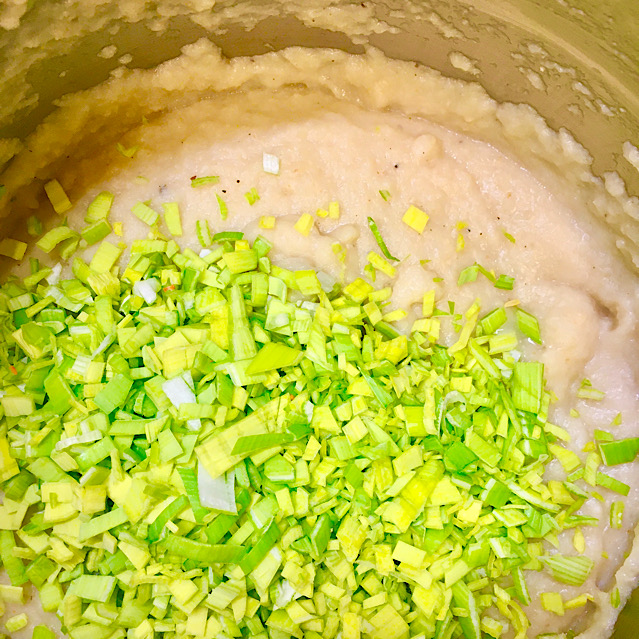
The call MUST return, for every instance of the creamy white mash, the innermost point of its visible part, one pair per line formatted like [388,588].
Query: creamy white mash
[345,128]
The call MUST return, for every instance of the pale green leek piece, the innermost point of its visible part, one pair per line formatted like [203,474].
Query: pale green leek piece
[215,446]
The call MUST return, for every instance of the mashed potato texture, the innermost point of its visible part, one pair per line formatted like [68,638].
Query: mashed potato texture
[375,137]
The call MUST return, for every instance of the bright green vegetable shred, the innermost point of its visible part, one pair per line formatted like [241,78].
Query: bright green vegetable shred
[197,182]
[372,225]
[384,486]
[470,273]
[224,209]
[252,196]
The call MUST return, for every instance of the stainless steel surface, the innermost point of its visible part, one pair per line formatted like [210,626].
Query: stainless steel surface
[574,61]
[595,45]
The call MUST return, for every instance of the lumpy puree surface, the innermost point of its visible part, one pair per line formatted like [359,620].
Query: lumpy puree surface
[343,139]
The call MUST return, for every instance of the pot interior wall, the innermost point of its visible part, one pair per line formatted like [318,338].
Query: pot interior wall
[573,64]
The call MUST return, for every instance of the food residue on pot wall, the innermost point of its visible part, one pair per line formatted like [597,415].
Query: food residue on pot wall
[600,306]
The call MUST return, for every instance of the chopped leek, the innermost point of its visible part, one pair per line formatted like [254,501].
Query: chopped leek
[99,208]
[217,493]
[42,632]
[505,282]
[552,602]
[16,623]
[252,443]
[196,182]
[12,564]
[114,394]
[12,248]
[214,432]
[528,386]
[586,391]
[616,514]
[93,587]
[203,233]
[270,163]
[569,570]
[618,452]
[267,222]
[58,198]
[145,213]
[202,553]
[492,321]
[271,356]
[372,225]
[54,237]
[469,274]
[252,196]
[528,325]
[228,235]
[172,218]
[127,152]
[612,484]
[259,551]
[34,226]
[224,209]
[416,219]
[304,224]
[96,232]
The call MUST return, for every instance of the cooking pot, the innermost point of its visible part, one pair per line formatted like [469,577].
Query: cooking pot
[574,62]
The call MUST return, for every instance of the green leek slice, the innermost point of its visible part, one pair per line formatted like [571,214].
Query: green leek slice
[372,225]
[569,570]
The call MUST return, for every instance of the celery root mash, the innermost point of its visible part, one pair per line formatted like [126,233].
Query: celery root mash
[311,345]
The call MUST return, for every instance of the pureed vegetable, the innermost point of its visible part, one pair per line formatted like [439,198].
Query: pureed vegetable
[212,445]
